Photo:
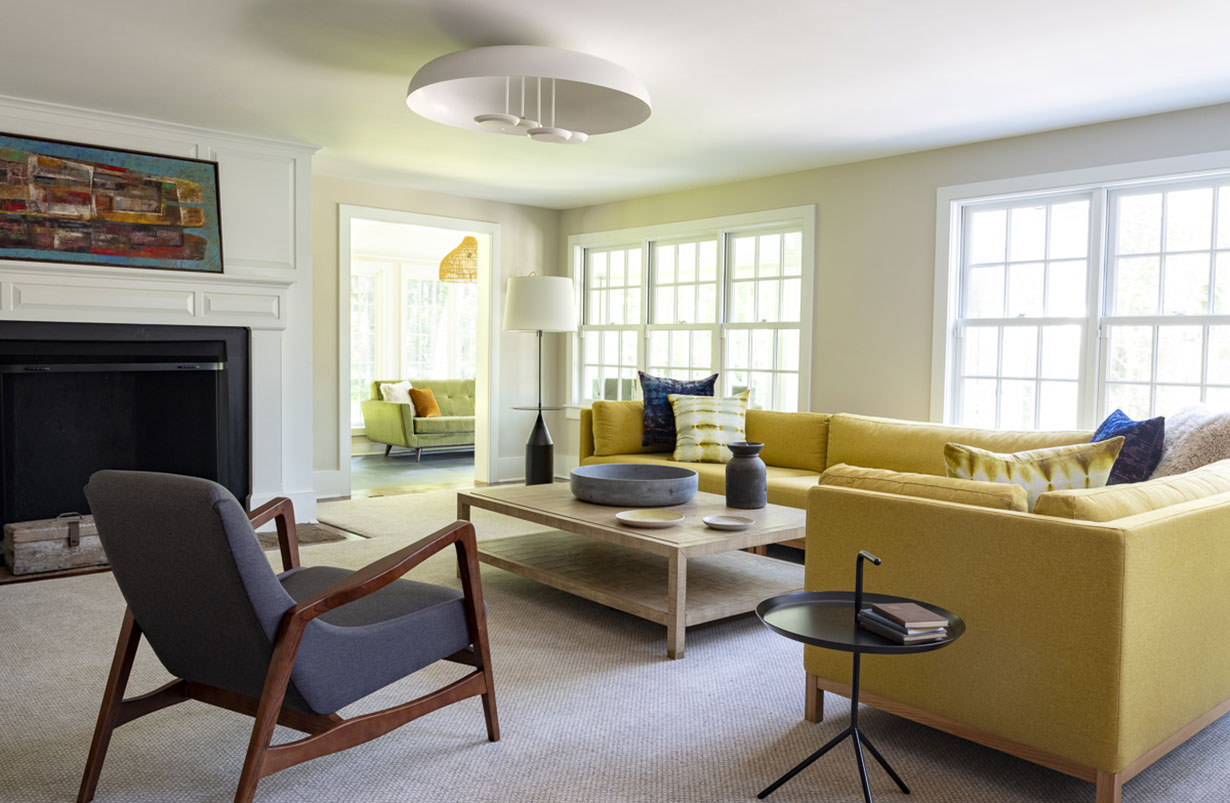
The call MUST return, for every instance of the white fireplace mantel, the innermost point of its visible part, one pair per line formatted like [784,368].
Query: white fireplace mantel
[265,194]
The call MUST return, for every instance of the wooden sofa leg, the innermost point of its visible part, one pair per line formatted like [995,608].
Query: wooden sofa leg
[813,706]
[1110,787]
[418,454]
[388,448]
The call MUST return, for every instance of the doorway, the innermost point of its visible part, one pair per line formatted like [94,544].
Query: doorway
[416,301]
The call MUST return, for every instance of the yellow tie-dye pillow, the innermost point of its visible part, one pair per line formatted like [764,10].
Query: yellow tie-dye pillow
[705,424]
[1082,465]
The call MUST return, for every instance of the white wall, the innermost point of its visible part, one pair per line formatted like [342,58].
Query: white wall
[528,237]
[265,195]
[875,255]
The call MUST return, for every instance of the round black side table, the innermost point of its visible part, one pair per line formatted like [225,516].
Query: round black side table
[827,619]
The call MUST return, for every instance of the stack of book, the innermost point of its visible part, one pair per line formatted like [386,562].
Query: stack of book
[903,622]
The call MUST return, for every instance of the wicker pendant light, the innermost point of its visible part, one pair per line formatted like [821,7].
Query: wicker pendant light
[461,264]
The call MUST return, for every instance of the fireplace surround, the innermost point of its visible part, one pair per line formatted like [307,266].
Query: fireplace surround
[79,397]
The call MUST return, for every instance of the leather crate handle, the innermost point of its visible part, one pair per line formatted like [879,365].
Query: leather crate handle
[73,520]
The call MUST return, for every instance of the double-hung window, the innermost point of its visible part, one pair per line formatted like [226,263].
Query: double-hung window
[1064,305]
[693,299]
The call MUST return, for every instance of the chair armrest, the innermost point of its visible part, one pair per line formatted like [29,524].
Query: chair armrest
[380,573]
[282,510]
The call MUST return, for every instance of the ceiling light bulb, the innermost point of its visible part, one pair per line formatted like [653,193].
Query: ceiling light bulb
[549,134]
[499,123]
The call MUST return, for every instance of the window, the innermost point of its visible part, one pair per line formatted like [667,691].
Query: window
[1068,305]
[407,324]
[690,300]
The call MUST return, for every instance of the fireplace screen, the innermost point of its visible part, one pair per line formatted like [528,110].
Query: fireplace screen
[76,398]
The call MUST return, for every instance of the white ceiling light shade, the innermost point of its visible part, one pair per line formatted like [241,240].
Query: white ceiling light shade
[508,88]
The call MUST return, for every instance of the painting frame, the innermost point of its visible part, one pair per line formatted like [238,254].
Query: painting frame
[98,206]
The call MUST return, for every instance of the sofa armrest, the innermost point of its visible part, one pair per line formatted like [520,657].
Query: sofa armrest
[388,422]
[1084,640]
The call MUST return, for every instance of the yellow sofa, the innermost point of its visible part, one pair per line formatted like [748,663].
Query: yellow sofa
[1098,637]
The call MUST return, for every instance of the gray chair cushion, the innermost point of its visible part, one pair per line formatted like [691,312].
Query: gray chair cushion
[352,651]
[193,573]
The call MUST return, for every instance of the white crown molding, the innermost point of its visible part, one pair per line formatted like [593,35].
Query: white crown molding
[16,106]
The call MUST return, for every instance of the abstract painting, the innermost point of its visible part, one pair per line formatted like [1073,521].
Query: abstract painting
[66,202]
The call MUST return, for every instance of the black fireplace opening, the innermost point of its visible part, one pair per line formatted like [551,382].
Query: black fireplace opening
[77,398]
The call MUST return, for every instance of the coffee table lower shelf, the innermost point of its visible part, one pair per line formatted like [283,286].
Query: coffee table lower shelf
[713,587]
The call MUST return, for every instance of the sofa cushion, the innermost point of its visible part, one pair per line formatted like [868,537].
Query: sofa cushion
[705,424]
[1002,496]
[787,486]
[1084,465]
[396,392]
[917,446]
[791,440]
[424,402]
[440,424]
[1196,435]
[659,419]
[1142,445]
[1120,501]
[618,427]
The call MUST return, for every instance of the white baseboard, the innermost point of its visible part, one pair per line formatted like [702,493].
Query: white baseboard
[331,484]
[304,502]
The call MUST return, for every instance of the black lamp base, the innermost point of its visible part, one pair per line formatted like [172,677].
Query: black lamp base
[539,455]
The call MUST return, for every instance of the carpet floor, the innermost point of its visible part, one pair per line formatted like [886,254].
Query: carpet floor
[590,709]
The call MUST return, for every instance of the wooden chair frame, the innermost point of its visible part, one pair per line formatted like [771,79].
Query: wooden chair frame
[326,733]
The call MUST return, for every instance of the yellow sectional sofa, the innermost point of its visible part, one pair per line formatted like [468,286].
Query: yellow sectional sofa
[1098,637]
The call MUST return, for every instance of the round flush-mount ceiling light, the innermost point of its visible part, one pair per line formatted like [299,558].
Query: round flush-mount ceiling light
[547,94]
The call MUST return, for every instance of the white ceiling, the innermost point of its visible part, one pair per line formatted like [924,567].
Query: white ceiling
[740,88]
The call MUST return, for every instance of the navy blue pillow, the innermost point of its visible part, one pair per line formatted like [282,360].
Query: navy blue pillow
[1142,446]
[659,415]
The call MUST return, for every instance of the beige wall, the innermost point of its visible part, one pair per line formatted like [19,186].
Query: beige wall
[875,242]
[528,238]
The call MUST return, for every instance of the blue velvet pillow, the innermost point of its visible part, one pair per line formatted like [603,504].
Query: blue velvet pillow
[1142,446]
[659,415]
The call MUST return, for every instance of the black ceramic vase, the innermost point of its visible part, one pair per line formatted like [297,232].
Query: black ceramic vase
[746,484]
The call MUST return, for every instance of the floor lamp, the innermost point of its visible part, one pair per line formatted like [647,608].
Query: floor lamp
[540,304]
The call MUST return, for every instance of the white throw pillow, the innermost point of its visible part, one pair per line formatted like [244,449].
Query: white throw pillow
[396,392]
[1195,436]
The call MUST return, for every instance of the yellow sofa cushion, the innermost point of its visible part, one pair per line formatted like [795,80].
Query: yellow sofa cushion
[618,428]
[1001,496]
[705,424]
[1120,501]
[791,440]
[917,446]
[787,486]
[1084,465]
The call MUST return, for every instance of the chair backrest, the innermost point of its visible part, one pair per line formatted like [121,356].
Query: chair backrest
[453,396]
[191,569]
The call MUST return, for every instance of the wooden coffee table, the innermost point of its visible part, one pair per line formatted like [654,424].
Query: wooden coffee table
[640,571]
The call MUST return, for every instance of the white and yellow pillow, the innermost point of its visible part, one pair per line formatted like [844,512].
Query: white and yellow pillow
[705,424]
[1082,465]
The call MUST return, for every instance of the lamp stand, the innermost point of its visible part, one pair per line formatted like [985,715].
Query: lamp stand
[539,449]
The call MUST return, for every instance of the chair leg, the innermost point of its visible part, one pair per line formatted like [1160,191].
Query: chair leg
[113,695]
[388,448]
[418,454]
[476,618]
[813,704]
[286,645]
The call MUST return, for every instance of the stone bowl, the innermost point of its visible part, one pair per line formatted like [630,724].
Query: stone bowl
[634,485]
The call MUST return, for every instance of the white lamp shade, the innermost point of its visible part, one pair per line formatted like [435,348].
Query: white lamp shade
[540,304]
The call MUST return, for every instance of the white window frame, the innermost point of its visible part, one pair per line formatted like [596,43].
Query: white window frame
[1099,183]
[644,237]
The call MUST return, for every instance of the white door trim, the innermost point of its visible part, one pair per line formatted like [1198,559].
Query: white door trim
[486,436]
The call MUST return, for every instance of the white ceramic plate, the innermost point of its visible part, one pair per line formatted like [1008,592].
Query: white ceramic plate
[649,518]
[728,522]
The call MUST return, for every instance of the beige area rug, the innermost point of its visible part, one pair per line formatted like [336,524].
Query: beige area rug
[590,708]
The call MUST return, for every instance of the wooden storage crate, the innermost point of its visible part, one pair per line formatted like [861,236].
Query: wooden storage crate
[69,541]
